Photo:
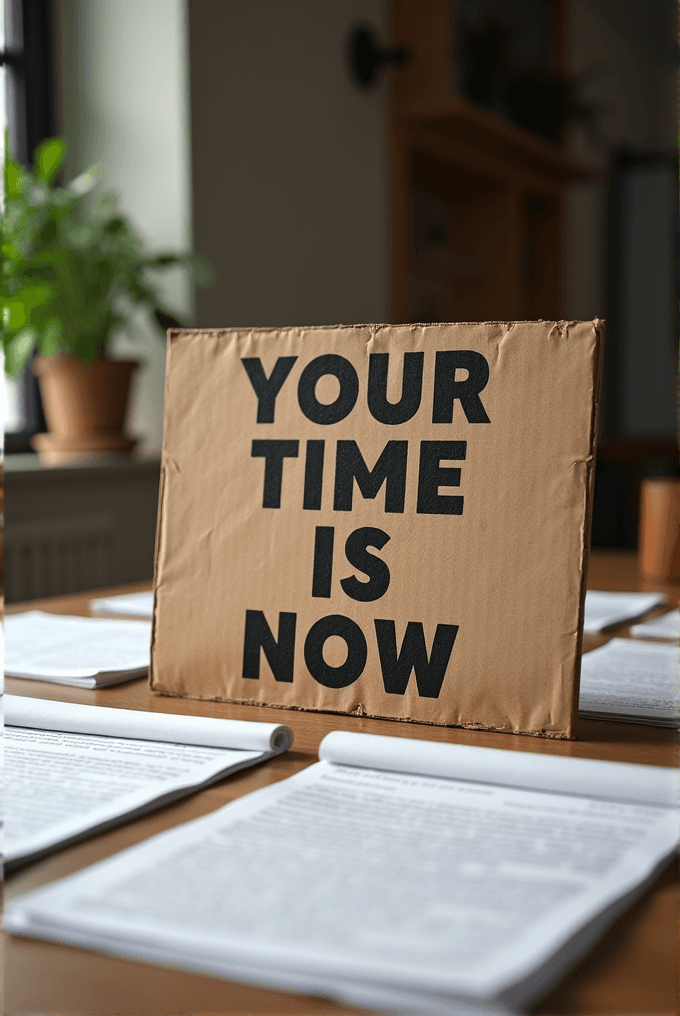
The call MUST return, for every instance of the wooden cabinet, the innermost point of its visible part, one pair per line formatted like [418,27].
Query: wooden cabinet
[477,200]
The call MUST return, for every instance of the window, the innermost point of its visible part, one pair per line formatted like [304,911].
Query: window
[27,109]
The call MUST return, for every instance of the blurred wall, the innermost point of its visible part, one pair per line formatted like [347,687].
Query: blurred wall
[623,56]
[289,163]
[289,159]
[124,104]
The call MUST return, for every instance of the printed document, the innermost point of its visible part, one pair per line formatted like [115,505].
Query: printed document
[631,681]
[87,652]
[133,604]
[604,609]
[665,627]
[396,874]
[70,771]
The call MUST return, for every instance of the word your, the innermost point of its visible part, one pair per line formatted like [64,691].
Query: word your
[396,663]
[447,391]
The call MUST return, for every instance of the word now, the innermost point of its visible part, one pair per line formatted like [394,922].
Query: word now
[350,468]
[396,664]
[446,392]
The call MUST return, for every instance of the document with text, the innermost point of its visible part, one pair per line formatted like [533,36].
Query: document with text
[604,609]
[87,652]
[73,770]
[406,875]
[632,681]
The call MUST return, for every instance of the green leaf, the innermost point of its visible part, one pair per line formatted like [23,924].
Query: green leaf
[51,340]
[20,309]
[18,351]
[48,233]
[116,225]
[14,315]
[139,291]
[13,175]
[88,347]
[72,268]
[49,156]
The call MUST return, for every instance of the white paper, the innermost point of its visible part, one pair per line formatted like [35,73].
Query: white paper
[59,785]
[665,627]
[561,774]
[625,678]
[63,782]
[133,604]
[22,711]
[83,651]
[604,609]
[367,883]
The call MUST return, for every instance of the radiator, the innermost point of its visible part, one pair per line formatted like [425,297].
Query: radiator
[50,558]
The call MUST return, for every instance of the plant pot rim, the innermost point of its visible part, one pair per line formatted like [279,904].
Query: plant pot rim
[45,364]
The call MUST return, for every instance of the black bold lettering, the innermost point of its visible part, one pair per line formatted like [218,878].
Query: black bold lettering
[333,412]
[313,475]
[273,452]
[267,388]
[324,537]
[394,413]
[447,389]
[348,672]
[376,569]
[390,469]
[397,667]
[280,652]
[432,476]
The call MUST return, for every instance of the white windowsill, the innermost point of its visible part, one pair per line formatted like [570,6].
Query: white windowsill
[30,466]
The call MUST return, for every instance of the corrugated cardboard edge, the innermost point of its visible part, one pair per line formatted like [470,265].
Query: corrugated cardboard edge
[360,713]
[599,326]
[160,515]
[159,527]
[572,731]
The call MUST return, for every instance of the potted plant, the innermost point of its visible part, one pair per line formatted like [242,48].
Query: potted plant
[74,273]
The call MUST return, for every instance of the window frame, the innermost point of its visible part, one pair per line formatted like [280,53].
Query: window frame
[28,57]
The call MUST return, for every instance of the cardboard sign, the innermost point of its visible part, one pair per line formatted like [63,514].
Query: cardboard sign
[381,520]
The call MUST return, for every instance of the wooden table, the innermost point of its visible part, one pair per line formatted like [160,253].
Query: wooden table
[634,969]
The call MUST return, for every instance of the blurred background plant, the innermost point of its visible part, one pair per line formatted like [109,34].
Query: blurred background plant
[74,270]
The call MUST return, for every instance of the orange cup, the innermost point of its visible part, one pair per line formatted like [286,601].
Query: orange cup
[659,546]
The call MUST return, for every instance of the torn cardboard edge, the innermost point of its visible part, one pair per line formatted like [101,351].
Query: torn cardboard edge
[363,715]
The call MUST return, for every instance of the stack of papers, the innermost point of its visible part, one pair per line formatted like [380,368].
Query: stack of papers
[134,604]
[83,651]
[665,627]
[604,609]
[401,875]
[73,770]
[632,681]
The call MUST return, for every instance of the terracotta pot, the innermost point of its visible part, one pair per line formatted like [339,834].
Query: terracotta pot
[85,407]
[659,546]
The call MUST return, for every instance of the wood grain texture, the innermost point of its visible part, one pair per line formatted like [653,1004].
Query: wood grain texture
[634,969]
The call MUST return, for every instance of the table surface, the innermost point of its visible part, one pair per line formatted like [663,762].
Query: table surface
[633,969]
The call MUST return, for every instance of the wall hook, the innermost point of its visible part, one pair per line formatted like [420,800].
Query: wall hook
[366,57]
